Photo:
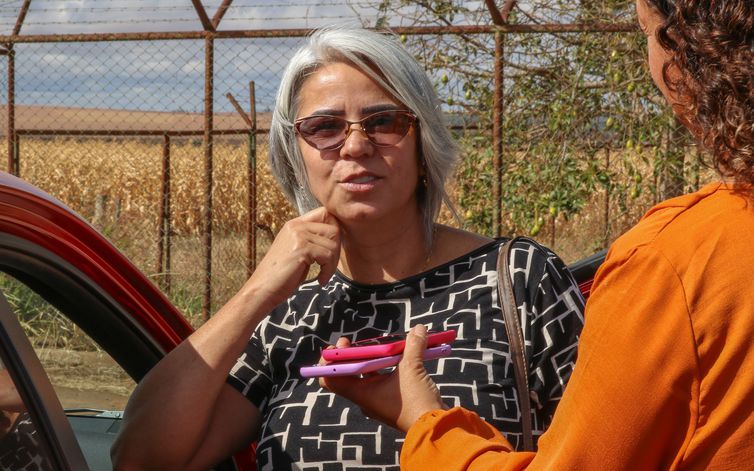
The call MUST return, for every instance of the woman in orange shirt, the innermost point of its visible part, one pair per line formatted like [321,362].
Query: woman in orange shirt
[665,373]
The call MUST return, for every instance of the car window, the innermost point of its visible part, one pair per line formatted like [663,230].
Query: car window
[85,377]
[91,387]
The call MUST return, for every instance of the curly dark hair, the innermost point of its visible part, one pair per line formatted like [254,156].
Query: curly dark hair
[712,46]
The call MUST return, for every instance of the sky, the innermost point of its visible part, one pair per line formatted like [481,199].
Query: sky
[162,75]
[59,16]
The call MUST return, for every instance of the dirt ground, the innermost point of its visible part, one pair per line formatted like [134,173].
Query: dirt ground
[84,379]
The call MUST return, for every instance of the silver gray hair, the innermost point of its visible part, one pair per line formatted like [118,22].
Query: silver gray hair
[389,64]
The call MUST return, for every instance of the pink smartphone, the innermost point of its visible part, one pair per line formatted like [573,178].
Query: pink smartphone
[348,368]
[386,345]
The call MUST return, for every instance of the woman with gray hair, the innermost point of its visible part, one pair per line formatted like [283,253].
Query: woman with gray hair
[359,143]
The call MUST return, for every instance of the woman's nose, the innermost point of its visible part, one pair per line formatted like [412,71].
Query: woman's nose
[356,143]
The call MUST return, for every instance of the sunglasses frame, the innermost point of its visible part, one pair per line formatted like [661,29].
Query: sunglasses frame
[413,120]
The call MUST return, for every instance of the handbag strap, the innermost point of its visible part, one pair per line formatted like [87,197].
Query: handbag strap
[515,340]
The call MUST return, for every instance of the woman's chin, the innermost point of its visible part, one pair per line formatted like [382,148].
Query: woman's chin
[362,212]
[358,214]
[356,217]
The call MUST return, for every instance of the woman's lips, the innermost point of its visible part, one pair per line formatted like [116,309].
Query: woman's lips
[359,182]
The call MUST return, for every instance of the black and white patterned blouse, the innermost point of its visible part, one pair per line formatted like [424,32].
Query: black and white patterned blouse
[308,428]
[20,447]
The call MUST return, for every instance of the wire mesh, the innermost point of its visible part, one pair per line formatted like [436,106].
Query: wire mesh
[91,119]
[95,121]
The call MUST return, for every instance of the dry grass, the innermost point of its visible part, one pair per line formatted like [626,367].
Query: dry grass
[125,176]
[116,185]
[82,374]
[86,378]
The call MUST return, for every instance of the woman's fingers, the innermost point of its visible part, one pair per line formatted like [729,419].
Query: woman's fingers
[327,231]
[346,386]
[342,342]
[311,238]
[322,223]
[322,241]
[416,343]
[417,390]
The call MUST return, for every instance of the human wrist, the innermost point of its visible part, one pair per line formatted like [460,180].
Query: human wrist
[254,299]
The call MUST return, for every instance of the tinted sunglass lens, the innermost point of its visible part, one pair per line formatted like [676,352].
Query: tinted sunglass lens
[323,132]
[387,128]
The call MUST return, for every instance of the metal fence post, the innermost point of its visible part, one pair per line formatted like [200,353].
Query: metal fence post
[164,224]
[251,229]
[209,53]
[497,136]
[13,164]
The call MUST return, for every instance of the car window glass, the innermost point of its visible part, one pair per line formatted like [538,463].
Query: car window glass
[85,378]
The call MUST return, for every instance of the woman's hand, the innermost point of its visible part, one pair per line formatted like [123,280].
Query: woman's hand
[311,238]
[398,398]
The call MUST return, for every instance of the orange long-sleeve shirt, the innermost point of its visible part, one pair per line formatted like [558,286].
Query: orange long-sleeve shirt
[665,373]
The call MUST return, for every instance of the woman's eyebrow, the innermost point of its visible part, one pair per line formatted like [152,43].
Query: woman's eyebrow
[327,112]
[367,110]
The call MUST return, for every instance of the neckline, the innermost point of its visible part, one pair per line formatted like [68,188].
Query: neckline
[410,279]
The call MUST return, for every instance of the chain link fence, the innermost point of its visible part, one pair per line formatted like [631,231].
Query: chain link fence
[160,140]
[116,130]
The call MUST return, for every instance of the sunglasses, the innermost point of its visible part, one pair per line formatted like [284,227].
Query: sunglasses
[383,129]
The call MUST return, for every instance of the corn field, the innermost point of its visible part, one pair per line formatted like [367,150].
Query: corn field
[115,184]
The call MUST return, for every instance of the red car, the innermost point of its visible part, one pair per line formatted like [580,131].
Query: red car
[57,255]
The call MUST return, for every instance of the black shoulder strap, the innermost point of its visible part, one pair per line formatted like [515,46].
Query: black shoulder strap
[515,340]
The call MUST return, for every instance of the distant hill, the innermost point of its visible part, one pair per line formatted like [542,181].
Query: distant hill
[36,117]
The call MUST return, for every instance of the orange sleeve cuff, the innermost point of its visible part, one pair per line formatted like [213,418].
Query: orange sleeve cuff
[457,438]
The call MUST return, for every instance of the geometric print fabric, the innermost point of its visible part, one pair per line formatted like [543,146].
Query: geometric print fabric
[21,449]
[306,427]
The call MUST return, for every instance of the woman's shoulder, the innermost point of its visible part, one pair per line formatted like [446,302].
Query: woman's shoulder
[716,214]
[451,243]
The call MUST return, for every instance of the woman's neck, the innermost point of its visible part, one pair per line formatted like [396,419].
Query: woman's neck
[380,253]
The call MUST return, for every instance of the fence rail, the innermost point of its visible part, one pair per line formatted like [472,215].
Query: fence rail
[215,60]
